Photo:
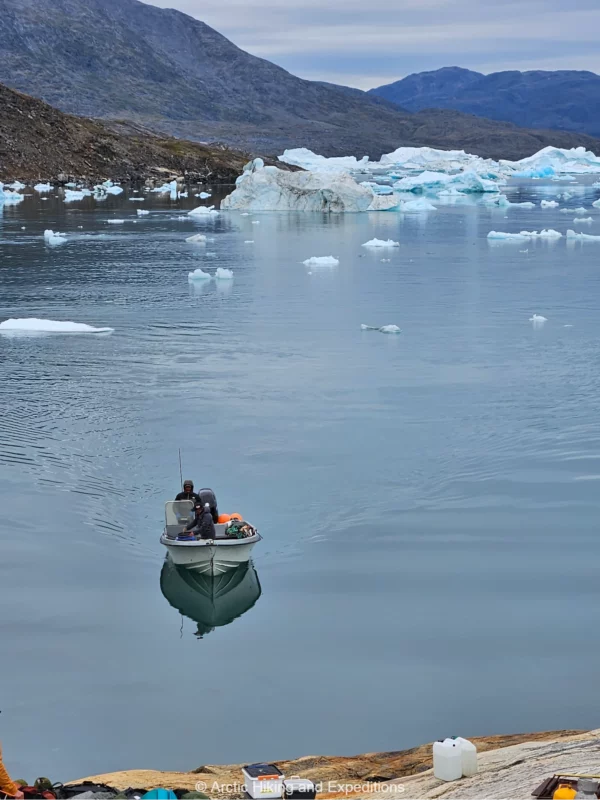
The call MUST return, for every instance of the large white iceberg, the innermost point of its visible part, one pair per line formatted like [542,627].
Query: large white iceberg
[555,161]
[301,157]
[33,325]
[262,188]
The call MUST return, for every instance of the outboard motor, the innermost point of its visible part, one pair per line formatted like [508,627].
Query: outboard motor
[208,496]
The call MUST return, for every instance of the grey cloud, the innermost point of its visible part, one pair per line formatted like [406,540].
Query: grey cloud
[331,41]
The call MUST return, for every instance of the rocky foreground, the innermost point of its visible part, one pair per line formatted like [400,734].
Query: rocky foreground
[509,767]
[38,142]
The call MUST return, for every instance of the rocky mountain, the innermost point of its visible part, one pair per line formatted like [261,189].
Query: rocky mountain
[164,70]
[564,99]
[39,142]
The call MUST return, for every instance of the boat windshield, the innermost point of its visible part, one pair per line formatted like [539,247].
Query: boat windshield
[177,515]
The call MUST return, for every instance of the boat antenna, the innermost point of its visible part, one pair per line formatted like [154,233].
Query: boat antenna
[180,470]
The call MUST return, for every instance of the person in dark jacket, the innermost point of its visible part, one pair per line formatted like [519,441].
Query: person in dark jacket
[188,492]
[202,525]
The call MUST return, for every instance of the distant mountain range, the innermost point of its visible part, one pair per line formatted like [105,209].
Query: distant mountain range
[168,72]
[565,99]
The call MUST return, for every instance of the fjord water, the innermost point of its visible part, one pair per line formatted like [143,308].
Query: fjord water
[429,500]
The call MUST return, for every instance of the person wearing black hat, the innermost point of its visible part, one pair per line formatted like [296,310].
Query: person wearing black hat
[188,492]
[202,525]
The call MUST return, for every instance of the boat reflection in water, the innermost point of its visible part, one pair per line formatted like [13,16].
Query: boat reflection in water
[210,601]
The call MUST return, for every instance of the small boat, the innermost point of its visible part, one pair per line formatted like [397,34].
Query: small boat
[211,602]
[207,556]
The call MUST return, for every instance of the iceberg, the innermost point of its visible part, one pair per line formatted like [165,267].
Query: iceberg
[137,199]
[42,188]
[537,320]
[549,204]
[583,219]
[202,211]
[249,241]
[54,239]
[141,212]
[582,236]
[383,329]
[74,195]
[558,160]
[301,157]
[110,188]
[9,198]
[596,203]
[422,204]
[203,195]
[381,243]
[115,221]
[16,186]
[502,201]
[197,238]
[198,275]
[580,210]
[262,188]
[223,274]
[167,188]
[468,182]
[33,325]
[321,261]
[544,234]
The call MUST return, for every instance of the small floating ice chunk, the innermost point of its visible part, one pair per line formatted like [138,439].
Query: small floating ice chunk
[203,211]
[537,320]
[53,239]
[196,239]
[203,195]
[256,222]
[115,221]
[141,212]
[422,204]
[223,274]
[137,199]
[198,275]
[582,236]
[381,243]
[321,261]
[549,204]
[544,234]
[42,188]
[581,220]
[249,241]
[580,210]
[596,203]
[383,329]
[73,195]
[33,325]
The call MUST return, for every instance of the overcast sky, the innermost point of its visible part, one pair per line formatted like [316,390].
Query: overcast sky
[366,43]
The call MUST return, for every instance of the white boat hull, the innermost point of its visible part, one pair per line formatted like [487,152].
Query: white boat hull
[210,557]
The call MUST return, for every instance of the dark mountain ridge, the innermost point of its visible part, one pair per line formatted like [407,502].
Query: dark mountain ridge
[563,99]
[171,73]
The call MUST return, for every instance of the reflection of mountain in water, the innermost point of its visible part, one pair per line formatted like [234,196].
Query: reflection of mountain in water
[210,601]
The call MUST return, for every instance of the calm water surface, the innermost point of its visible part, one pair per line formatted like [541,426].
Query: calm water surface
[429,501]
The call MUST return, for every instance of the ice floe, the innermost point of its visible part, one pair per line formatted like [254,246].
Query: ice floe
[203,195]
[198,275]
[537,320]
[197,238]
[382,329]
[464,182]
[249,241]
[115,221]
[580,210]
[203,211]
[262,188]
[33,325]
[321,261]
[137,199]
[223,274]
[522,235]
[422,204]
[43,188]
[502,201]
[167,188]
[549,204]
[582,236]
[9,198]
[141,212]
[74,195]
[581,220]
[54,239]
[596,203]
[381,243]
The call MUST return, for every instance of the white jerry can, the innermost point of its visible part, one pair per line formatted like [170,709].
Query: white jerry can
[468,753]
[447,760]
